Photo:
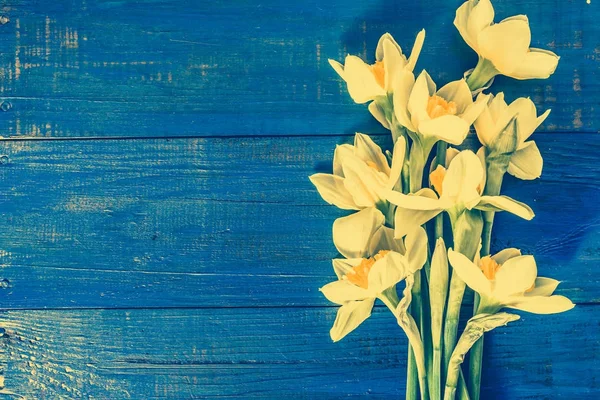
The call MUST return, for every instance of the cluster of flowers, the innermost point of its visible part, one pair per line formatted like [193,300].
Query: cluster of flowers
[386,241]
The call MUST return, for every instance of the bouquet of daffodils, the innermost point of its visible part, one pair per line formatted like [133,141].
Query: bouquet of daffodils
[423,222]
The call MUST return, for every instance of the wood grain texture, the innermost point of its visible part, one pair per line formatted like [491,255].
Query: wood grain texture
[229,222]
[81,68]
[269,353]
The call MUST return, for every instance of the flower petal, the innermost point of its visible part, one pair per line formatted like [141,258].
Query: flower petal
[498,106]
[337,67]
[458,92]
[504,255]
[527,162]
[403,86]
[393,61]
[474,110]
[341,266]
[461,22]
[380,50]
[464,175]
[367,150]
[469,273]
[543,287]
[543,305]
[343,291]
[505,203]
[505,44]
[397,164]
[537,64]
[363,182]
[416,51]
[515,276]
[449,128]
[417,201]
[406,220]
[416,249]
[539,120]
[417,102]
[383,239]
[332,190]
[362,85]
[480,17]
[352,234]
[349,317]
[377,112]
[340,153]
[387,271]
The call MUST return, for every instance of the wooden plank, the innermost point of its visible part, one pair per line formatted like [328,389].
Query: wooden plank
[79,68]
[232,222]
[267,353]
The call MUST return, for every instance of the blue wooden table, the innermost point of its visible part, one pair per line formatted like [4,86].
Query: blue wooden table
[160,238]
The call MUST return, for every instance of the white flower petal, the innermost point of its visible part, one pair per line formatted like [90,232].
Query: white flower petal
[461,22]
[378,114]
[403,87]
[416,51]
[537,64]
[337,67]
[543,287]
[480,17]
[349,317]
[504,255]
[515,276]
[497,106]
[362,85]
[387,271]
[527,162]
[505,44]
[363,182]
[341,266]
[543,305]
[332,190]
[352,234]
[340,153]
[367,150]
[416,249]
[406,220]
[474,110]
[380,50]
[458,92]
[343,291]
[393,61]
[384,239]
[449,128]
[505,203]
[397,163]
[415,201]
[463,176]
[417,102]
[539,120]
[469,273]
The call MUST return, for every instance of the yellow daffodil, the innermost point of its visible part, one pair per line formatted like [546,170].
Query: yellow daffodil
[509,279]
[362,280]
[367,82]
[526,161]
[432,115]
[503,48]
[364,233]
[361,174]
[459,189]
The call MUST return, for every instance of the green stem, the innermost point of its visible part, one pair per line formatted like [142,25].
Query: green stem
[492,188]
[412,386]
[483,72]
[440,157]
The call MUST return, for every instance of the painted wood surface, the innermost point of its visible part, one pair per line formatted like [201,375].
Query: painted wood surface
[72,68]
[169,245]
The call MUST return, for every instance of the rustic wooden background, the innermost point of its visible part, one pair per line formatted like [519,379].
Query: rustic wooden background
[160,238]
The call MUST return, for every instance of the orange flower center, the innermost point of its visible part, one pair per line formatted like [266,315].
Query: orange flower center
[359,275]
[379,72]
[489,267]
[437,107]
[437,178]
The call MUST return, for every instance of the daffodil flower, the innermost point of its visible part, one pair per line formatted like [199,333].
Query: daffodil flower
[367,82]
[526,162]
[431,114]
[459,189]
[509,279]
[361,174]
[503,48]
[363,279]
